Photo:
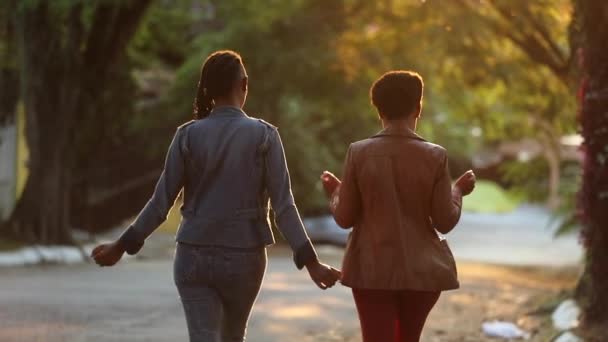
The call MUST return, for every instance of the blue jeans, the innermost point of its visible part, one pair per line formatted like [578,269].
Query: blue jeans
[218,287]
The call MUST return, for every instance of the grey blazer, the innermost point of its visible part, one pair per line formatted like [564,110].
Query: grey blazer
[228,166]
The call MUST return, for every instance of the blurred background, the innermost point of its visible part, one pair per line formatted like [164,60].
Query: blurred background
[91,93]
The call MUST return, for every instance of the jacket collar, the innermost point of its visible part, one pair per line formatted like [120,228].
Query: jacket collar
[229,111]
[391,132]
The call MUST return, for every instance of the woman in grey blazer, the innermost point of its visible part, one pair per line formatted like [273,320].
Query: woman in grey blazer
[228,166]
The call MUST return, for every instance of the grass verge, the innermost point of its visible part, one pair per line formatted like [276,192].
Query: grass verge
[489,197]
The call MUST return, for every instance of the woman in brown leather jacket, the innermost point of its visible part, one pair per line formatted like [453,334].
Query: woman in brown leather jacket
[397,195]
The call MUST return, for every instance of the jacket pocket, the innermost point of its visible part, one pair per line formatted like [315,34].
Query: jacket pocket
[449,256]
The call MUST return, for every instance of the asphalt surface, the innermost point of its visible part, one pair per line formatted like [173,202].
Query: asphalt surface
[524,237]
[137,301]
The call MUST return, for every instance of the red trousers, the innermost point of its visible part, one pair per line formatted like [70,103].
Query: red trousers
[398,316]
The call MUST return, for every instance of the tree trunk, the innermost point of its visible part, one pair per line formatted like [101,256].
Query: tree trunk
[41,215]
[549,139]
[9,75]
[593,288]
[63,70]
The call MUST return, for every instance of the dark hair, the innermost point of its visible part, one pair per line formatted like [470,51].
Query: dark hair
[397,93]
[218,75]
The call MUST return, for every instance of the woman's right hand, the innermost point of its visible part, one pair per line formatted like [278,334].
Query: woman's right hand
[330,183]
[107,254]
[466,183]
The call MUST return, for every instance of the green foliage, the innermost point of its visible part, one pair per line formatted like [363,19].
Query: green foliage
[293,84]
[527,179]
[164,39]
[494,70]
[311,63]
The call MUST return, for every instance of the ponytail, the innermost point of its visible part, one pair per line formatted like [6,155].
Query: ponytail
[203,103]
[218,74]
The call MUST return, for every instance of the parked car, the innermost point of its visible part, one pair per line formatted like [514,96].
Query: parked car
[324,230]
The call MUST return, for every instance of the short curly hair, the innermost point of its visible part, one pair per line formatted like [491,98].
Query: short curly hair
[396,94]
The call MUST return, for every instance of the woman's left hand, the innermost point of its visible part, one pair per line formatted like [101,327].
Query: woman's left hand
[107,254]
[330,183]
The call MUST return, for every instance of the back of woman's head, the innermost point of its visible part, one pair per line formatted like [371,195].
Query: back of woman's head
[397,94]
[219,74]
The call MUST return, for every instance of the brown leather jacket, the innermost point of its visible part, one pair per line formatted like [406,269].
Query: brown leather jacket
[396,193]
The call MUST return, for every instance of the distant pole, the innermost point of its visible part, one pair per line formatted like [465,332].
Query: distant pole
[8,171]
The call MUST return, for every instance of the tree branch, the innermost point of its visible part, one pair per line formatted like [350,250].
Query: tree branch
[113,27]
[543,51]
[544,33]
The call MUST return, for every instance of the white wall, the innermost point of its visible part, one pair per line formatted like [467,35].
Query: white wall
[8,174]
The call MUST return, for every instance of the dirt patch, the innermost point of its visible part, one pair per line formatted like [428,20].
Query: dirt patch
[523,295]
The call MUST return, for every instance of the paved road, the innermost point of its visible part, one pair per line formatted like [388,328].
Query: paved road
[522,237]
[137,301]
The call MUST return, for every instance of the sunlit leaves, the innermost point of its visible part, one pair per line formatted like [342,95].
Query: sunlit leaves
[311,63]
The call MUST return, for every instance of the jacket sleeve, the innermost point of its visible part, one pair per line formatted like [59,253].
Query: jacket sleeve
[446,202]
[286,214]
[346,201]
[155,212]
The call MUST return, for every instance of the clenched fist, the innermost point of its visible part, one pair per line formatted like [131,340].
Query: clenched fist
[330,183]
[466,183]
[107,254]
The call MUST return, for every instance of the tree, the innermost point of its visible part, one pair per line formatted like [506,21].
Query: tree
[538,29]
[488,65]
[493,64]
[67,51]
[593,195]
[311,64]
